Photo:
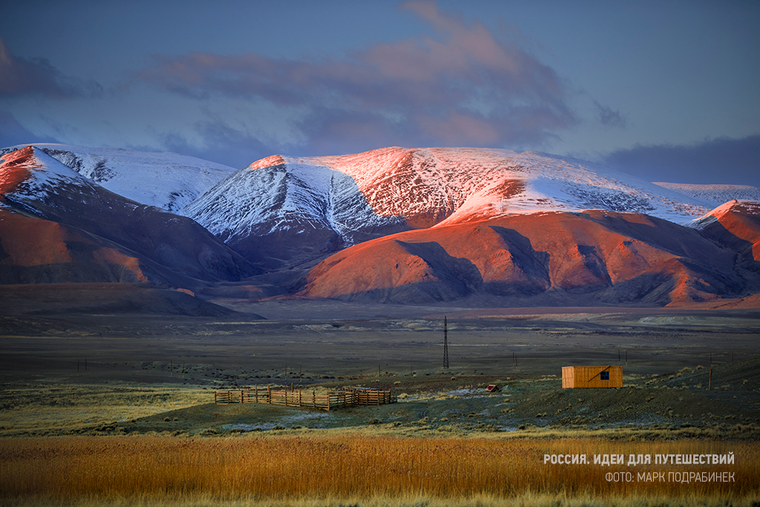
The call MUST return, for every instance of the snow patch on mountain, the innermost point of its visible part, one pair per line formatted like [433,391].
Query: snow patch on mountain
[716,194]
[164,180]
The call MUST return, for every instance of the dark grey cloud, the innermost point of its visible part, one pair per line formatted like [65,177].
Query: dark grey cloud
[20,76]
[222,144]
[13,133]
[463,86]
[721,161]
[609,117]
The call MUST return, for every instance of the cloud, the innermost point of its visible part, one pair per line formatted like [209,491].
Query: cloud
[463,86]
[610,118]
[13,133]
[716,161]
[222,144]
[20,76]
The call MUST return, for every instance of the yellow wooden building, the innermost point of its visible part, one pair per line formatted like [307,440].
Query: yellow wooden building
[598,377]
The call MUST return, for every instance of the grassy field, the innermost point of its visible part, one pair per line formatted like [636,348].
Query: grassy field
[117,411]
[346,467]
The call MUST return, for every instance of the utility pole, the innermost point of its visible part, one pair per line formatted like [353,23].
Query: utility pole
[445,343]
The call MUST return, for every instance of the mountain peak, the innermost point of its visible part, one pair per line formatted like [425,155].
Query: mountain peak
[267,162]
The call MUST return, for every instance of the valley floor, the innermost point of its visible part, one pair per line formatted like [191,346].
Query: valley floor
[77,383]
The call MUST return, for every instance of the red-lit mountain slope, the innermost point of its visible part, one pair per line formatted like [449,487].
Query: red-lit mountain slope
[544,258]
[735,224]
[57,226]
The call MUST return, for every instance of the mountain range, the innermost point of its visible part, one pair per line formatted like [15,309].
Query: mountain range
[395,225]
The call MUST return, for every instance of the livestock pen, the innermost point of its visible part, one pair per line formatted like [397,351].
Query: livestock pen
[297,397]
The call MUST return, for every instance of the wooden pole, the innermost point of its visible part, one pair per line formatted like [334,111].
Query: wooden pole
[85,364]
[445,343]
[183,369]
[171,369]
[709,382]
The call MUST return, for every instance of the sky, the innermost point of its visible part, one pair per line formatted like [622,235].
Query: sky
[666,90]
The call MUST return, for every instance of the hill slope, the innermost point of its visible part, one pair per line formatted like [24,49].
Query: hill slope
[594,256]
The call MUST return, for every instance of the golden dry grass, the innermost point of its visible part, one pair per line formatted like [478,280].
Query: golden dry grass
[296,470]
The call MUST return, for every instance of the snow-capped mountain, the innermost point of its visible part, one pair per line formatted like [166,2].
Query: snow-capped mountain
[717,194]
[58,226]
[454,184]
[165,180]
[277,198]
[350,198]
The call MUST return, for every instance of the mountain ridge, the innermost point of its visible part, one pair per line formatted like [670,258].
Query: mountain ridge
[394,225]
[342,200]
[165,180]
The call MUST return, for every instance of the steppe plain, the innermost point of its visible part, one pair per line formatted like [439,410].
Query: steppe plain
[691,381]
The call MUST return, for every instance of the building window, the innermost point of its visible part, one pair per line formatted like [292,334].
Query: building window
[605,375]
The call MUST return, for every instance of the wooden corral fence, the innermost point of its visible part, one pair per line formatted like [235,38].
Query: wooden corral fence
[369,396]
[291,397]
